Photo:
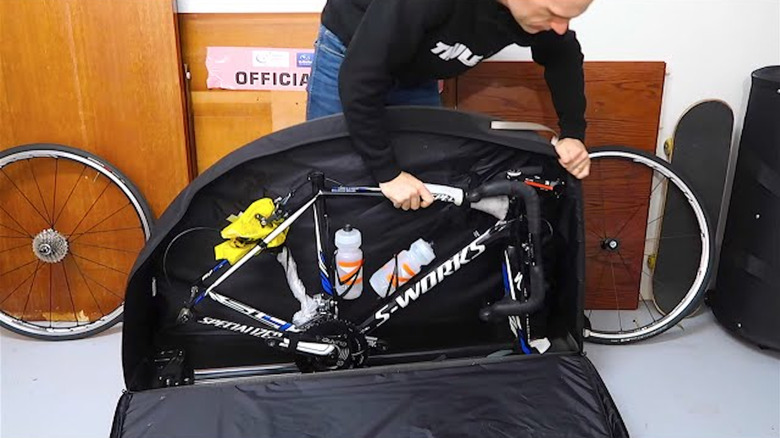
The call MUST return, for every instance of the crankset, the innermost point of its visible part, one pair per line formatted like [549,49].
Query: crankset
[350,346]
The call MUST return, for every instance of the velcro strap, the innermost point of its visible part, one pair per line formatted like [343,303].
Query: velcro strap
[765,175]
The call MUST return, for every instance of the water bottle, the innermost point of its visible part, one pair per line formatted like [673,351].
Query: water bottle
[349,263]
[409,263]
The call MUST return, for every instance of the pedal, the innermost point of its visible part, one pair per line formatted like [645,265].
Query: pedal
[278,343]
[185,315]
[377,344]
[308,348]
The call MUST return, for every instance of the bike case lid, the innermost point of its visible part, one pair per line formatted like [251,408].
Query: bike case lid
[543,396]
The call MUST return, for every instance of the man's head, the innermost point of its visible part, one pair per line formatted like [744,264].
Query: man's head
[540,15]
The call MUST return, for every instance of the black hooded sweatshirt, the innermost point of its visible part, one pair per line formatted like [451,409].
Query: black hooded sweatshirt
[392,42]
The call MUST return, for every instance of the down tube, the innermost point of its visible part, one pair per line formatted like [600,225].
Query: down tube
[431,277]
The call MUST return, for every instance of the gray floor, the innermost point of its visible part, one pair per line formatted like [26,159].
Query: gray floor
[696,381]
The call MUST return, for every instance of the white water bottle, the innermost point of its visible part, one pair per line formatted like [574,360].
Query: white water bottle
[410,262]
[349,263]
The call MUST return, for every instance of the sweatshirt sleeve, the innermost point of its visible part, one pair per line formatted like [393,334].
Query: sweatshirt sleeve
[387,38]
[561,56]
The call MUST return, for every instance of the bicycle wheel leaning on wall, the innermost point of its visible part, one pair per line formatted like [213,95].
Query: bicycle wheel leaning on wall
[71,227]
[625,210]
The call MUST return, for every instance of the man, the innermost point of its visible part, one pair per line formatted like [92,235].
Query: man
[389,52]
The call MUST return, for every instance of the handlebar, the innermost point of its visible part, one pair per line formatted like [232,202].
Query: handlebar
[446,193]
[508,306]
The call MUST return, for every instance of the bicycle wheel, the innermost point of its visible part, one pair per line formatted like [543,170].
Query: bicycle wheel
[71,227]
[628,229]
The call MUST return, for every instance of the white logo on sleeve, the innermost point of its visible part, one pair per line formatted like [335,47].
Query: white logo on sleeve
[457,51]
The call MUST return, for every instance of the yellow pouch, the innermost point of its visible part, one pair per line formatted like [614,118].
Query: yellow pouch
[246,230]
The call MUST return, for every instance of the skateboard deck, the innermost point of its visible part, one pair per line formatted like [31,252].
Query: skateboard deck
[699,151]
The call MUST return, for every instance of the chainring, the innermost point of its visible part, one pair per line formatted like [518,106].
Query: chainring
[351,347]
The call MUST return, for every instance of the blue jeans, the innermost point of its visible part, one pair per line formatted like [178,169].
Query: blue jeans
[323,88]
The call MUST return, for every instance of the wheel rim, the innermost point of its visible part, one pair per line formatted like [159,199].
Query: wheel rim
[70,231]
[610,234]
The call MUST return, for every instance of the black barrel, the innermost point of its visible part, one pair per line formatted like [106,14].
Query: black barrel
[746,299]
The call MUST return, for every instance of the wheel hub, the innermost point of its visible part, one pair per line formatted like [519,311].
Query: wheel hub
[610,244]
[50,246]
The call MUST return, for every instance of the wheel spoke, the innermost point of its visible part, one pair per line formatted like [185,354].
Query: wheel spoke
[54,192]
[667,213]
[639,281]
[108,182]
[596,234]
[680,236]
[29,292]
[26,245]
[72,189]
[40,194]
[45,219]
[604,204]
[51,274]
[98,263]
[628,221]
[17,268]
[24,232]
[86,283]
[102,221]
[104,231]
[617,300]
[20,285]
[105,247]
[70,292]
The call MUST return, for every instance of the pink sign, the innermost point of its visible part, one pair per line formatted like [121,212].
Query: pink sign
[258,68]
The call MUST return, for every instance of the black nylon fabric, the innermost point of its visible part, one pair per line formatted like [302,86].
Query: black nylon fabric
[439,146]
[545,397]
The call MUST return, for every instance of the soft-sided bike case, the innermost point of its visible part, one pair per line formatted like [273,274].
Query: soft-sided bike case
[443,374]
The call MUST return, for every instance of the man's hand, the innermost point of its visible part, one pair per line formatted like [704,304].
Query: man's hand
[406,191]
[573,157]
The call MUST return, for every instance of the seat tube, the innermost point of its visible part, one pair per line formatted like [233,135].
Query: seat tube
[321,232]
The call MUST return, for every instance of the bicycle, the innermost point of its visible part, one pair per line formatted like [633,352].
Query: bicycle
[325,342]
[71,226]
[608,241]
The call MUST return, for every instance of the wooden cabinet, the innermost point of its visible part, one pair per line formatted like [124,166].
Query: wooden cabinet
[225,120]
[103,76]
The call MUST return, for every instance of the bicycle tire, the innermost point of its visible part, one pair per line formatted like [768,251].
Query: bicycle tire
[698,287]
[97,193]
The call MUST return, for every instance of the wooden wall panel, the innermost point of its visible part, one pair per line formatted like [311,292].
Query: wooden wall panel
[100,76]
[226,120]
[624,105]
[624,98]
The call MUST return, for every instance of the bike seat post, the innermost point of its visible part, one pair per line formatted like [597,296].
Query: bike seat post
[317,179]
